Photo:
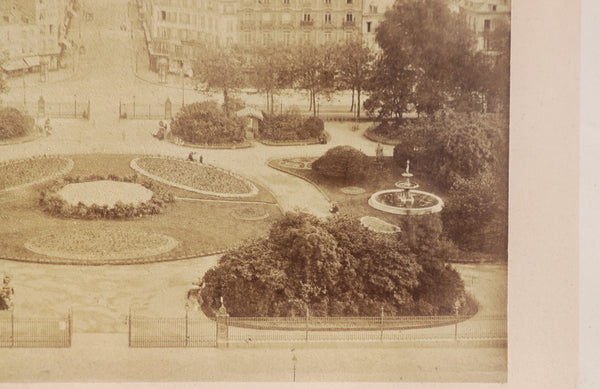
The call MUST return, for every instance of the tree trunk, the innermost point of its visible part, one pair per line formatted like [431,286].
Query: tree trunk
[310,98]
[267,94]
[358,103]
[352,105]
[314,103]
[225,102]
[272,109]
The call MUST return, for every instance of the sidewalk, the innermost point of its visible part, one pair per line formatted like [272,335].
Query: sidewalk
[106,358]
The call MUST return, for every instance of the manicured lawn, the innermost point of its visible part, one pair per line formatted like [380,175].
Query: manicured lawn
[200,226]
[374,180]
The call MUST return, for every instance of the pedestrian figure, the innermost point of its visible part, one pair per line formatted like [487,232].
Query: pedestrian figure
[200,159]
[334,207]
[191,156]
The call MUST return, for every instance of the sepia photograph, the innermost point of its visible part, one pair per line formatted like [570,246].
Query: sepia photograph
[255,190]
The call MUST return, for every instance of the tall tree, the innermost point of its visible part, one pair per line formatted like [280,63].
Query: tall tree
[428,56]
[272,71]
[3,85]
[355,66]
[315,69]
[498,79]
[221,68]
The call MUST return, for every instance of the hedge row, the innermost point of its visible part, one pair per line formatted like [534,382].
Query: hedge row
[290,126]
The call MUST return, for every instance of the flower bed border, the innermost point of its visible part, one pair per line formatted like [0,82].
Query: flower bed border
[53,176]
[95,212]
[137,168]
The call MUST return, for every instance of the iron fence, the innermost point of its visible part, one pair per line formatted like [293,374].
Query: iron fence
[60,110]
[171,332]
[35,332]
[148,111]
[202,332]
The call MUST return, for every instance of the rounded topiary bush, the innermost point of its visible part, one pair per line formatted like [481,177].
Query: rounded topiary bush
[314,126]
[14,124]
[207,123]
[342,162]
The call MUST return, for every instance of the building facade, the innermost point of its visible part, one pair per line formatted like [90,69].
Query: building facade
[177,30]
[31,33]
[482,16]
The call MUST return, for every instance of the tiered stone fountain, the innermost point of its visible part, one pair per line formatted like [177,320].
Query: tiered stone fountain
[406,200]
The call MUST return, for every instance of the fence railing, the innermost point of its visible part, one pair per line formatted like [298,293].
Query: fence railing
[203,332]
[35,332]
[61,110]
[171,332]
[148,111]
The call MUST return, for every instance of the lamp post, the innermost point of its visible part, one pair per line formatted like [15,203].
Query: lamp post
[294,360]
[133,107]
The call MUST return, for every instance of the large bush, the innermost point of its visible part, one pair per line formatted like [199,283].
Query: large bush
[14,124]
[342,162]
[206,123]
[290,126]
[469,210]
[335,267]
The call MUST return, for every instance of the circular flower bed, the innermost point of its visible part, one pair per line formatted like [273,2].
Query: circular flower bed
[100,245]
[250,213]
[97,197]
[352,190]
[21,173]
[377,225]
[194,176]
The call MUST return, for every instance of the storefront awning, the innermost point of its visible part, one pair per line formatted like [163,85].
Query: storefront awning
[32,61]
[14,64]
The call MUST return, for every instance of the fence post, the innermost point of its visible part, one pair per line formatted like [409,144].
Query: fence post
[381,325]
[129,325]
[12,329]
[41,106]
[168,108]
[186,328]
[70,326]
[456,325]
[222,327]
[307,318]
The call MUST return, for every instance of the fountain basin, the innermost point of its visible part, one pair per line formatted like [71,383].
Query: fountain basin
[388,201]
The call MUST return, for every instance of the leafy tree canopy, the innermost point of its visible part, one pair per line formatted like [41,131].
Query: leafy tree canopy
[332,267]
[428,56]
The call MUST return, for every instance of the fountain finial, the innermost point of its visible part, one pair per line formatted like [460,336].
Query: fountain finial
[407,165]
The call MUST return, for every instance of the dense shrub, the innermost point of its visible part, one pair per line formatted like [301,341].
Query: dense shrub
[290,126]
[469,210]
[333,267]
[342,162]
[14,124]
[206,123]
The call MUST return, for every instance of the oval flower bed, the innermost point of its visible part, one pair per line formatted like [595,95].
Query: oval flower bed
[25,172]
[378,225]
[92,245]
[97,197]
[194,176]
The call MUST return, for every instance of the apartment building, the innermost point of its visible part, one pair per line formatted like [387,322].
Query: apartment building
[483,16]
[179,29]
[31,33]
